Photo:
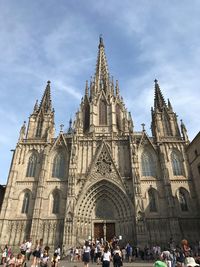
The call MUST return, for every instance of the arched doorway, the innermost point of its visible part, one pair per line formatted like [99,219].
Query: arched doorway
[104,211]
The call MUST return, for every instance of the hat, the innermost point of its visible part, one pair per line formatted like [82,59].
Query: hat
[160,264]
[189,261]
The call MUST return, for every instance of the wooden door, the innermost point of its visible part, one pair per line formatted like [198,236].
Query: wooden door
[110,231]
[98,231]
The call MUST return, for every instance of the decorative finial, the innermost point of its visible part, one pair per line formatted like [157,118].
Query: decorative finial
[143,125]
[48,82]
[156,81]
[36,106]
[101,44]
[86,88]
[61,127]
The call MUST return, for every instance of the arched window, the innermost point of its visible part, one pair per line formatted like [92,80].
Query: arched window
[152,200]
[32,164]
[102,112]
[148,165]
[86,124]
[25,204]
[39,128]
[56,202]
[166,124]
[177,164]
[58,166]
[118,117]
[183,200]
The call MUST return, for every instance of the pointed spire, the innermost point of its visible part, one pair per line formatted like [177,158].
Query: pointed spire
[184,132]
[170,105]
[45,104]
[70,130]
[22,131]
[101,74]
[143,127]
[159,101]
[117,88]
[35,109]
[86,88]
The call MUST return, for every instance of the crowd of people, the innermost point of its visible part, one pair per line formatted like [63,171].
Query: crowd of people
[37,255]
[102,253]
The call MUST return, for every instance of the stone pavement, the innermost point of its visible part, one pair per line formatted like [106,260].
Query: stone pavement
[64,263]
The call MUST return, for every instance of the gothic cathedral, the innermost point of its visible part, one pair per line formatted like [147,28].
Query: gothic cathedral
[101,178]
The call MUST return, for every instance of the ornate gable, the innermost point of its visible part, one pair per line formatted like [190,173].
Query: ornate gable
[60,142]
[103,167]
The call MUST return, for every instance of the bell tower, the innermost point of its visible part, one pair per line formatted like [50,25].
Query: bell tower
[41,121]
[164,119]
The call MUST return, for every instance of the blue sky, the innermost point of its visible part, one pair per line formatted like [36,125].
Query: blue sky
[58,40]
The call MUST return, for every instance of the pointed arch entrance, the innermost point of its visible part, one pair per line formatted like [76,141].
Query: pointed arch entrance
[103,211]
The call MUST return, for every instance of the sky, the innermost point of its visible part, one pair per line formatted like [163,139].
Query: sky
[58,41]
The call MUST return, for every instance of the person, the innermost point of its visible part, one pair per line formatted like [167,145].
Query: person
[58,251]
[117,260]
[160,264]
[19,260]
[44,259]
[4,255]
[28,249]
[190,262]
[186,248]
[37,252]
[106,257]
[54,260]
[86,253]
[11,261]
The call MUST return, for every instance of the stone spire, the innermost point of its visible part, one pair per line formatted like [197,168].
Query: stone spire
[86,89]
[169,105]
[184,132]
[45,104]
[102,73]
[159,101]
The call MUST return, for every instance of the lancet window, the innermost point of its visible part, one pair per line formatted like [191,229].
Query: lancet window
[177,164]
[39,128]
[183,200]
[152,200]
[58,166]
[32,164]
[56,203]
[102,112]
[148,164]
[118,117]
[25,204]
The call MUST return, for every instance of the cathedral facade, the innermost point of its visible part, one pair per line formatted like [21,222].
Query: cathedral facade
[101,178]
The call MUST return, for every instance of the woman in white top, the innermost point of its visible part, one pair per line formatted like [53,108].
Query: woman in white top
[106,257]
[86,254]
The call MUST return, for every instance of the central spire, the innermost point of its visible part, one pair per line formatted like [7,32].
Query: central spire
[102,73]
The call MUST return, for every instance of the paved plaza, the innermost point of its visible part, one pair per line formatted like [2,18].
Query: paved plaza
[64,263]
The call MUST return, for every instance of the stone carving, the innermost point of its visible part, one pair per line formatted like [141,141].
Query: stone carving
[104,163]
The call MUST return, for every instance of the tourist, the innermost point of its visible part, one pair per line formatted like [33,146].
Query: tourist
[160,264]
[4,255]
[86,253]
[117,260]
[19,260]
[12,260]
[106,257]
[54,260]
[28,249]
[190,262]
[37,252]
[44,259]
